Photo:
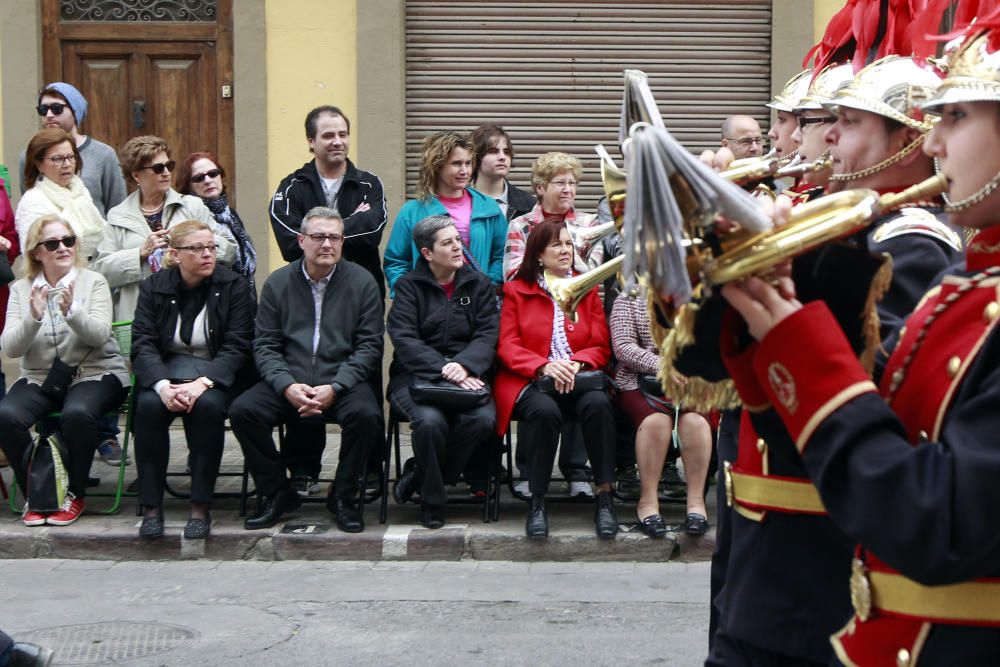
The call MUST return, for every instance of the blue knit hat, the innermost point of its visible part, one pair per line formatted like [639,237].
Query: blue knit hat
[77,102]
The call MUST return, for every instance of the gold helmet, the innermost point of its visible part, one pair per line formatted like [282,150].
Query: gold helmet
[788,98]
[893,87]
[973,73]
[825,85]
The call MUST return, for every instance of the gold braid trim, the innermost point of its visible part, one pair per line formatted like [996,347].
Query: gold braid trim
[872,324]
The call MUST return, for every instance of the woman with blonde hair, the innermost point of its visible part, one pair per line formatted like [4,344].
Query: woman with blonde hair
[443,189]
[59,317]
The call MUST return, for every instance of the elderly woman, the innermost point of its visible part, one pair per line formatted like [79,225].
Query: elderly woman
[637,355]
[200,174]
[59,314]
[443,325]
[443,189]
[135,239]
[52,176]
[538,341]
[190,344]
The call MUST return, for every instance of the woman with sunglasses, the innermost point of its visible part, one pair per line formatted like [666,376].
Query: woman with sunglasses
[135,239]
[52,175]
[200,174]
[59,313]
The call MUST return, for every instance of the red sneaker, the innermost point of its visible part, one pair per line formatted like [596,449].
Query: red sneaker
[70,511]
[32,518]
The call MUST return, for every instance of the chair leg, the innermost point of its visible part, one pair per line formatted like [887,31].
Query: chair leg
[383,513]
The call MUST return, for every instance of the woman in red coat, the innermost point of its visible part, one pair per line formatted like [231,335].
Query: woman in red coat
[536,340]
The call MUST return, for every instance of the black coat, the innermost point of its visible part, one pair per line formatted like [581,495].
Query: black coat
[428,330]
[230,312]
[519,202]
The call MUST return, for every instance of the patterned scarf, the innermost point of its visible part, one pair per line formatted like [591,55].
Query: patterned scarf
[559,347]
[246,258]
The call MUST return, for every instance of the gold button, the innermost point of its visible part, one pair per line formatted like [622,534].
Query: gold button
[903,658]
[991,311]
[761,445]
[954,364]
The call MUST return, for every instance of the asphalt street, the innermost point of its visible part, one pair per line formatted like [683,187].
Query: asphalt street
[358,613]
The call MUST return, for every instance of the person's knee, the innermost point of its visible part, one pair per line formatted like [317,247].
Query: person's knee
[429,422]
[12,418]
[595,403]
[210,408]
[657,425]
[77,416]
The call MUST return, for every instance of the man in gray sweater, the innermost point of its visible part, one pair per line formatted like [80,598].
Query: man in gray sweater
[318,343]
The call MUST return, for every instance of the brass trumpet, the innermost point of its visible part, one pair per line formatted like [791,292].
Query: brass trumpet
[568,292]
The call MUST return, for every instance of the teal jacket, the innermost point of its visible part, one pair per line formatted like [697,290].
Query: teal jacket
[487,235]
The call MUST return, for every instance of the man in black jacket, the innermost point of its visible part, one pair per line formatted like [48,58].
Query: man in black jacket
[318,344]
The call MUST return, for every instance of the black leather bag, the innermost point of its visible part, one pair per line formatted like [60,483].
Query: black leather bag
[448,395]
[57,382]
[650,385]
[48,481]
[585,381]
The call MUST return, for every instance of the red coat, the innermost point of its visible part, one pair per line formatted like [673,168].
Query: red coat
[7,230]
[526,336]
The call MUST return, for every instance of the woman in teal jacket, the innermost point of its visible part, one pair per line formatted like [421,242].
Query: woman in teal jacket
[445,172]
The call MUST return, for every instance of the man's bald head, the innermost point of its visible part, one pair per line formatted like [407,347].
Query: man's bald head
[746,128]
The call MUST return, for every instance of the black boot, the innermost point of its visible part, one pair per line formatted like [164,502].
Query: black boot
[537,525]
[604,516]
[280,503]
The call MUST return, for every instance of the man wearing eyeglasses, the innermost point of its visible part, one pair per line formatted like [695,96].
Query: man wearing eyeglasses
[742,135]
[318,345]
[62,105]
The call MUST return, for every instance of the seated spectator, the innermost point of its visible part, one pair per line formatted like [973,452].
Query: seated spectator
[191,342]
[52,176]
[318,343]
[443,189]
[59,311]
[637,355]
[443,325]
[554,177]
[537,340]
[200,174]
[494,160]
[135,238]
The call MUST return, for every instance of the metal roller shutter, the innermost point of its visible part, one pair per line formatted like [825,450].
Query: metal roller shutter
[551,72]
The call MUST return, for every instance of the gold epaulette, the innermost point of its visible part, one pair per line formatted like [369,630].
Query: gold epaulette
[914,220]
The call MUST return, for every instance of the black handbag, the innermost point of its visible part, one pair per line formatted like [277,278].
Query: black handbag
[650,385]
[444,394]
[585,381]
[48,481]
[57,382]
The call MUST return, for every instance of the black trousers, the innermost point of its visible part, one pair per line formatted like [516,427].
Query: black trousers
[540,419]
[255,413]
[727,651]
[204,430]
[572,454]
[444,441]
[727,449]
[86,402]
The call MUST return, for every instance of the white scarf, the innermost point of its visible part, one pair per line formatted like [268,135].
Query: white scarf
[76,206]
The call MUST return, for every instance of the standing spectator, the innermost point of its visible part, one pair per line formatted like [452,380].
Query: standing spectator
[59,311]
[494,160]
[135,239]
[443,189]
[63,106]
[318,343]
[201,174]
[10,248]
[55,188]
[443,325]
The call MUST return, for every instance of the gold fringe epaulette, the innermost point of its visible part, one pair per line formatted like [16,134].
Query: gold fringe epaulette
[871,326]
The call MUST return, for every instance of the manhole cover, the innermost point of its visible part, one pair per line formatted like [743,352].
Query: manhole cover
[114,641]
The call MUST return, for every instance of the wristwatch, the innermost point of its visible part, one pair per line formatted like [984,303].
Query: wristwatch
[207,382]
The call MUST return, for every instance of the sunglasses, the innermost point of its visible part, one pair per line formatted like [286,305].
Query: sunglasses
[53,244]
[211,173]
[161,167]
[56,107]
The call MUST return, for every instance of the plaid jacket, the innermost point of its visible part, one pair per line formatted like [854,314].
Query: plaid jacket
[517,235]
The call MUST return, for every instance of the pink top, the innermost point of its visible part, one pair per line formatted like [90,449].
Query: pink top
[460,210]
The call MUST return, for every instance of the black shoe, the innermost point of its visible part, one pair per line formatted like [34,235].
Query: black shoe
[431,516]
[30,655]
[198,529]
[537,525]
[348,516]
[695,524]
[151,526]
[604,516]
[654,526]
[406,485]
[628,482]
[280,503]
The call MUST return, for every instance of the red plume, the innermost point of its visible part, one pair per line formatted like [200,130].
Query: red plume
[865,30]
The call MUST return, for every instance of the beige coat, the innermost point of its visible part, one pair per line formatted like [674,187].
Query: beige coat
[118,252]
[84,338]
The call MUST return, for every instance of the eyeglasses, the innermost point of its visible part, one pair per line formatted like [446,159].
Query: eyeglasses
[60,160]
[211,173]
[323,238]
[804,121]
[563,184]
[56,108]
[160,167]
[53,244]
[748,141]
[199,249]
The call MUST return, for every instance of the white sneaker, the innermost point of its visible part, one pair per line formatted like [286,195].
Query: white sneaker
[522,489]
[577,489]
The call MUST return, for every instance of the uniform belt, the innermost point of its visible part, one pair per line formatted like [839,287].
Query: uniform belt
[782,494]
[966,603]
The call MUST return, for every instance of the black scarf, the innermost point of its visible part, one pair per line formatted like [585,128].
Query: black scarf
[190,302]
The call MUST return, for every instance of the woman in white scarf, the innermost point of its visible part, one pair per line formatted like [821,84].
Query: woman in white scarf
[51,172]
